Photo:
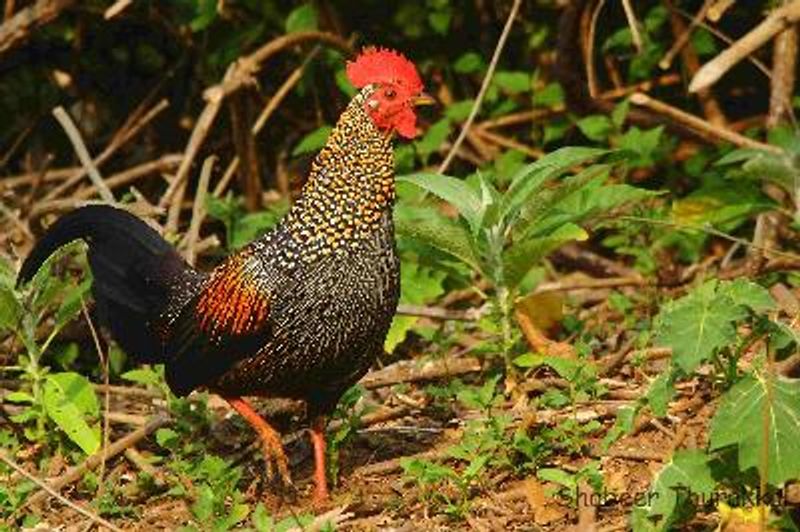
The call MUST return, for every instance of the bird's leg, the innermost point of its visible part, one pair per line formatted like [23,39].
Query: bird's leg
[318,441]
[270,438]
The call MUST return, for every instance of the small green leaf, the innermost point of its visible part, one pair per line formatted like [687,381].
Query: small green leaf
[620,113]
[166,438]
[206,13]
[203,507]
[659,394]
[312,142]
[513,82]
[747,410]
[144,375]
[302,18]
[71,303]
[433,138]
[440,21]
[458,111]
[18,397]
[558,476]
[469,63]
[595,127]
[551,96]
[261,519]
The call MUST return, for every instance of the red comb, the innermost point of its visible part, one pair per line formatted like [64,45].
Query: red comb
[381,65]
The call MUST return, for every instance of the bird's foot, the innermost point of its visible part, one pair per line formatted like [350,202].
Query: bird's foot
[275,457]
[272,446]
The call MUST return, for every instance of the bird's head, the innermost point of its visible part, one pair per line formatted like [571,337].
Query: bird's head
[393,89]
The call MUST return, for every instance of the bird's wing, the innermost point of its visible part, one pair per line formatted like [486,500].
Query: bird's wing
[226,321]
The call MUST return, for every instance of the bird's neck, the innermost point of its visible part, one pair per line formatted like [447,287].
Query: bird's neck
[350,188]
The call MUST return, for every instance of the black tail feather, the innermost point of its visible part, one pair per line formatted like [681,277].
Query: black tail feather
[137,274]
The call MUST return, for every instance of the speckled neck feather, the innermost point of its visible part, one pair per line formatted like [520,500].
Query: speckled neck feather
[349,188]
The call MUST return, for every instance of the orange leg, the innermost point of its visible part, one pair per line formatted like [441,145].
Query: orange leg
[321,494]
[270,439]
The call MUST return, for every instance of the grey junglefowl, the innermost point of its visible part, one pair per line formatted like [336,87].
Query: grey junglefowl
[301,312]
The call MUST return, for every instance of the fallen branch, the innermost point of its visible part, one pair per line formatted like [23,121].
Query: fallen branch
[412,371]
[54,493]
[776,22]
[77,472]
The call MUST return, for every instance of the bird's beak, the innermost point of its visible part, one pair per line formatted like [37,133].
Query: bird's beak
[423,98]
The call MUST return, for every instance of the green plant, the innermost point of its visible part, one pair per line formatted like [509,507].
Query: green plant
[753,438]
[65,399]
[502,236]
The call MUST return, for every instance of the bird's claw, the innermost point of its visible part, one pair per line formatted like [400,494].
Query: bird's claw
[275,458]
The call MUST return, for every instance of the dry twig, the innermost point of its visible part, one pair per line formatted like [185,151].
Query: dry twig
[776,22]
[17,28]
[198,210]
[83,154]
[484,87]
[77,472]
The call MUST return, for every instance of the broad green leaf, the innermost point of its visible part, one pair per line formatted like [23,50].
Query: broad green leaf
[443,234]
[530,178]
[688,471]
[302,18]
[746,411]
[312,142]
[68,398]
[523,256]
[748,294]
[454,191]
[740,155]
[71,304]
[698,324]
[419,285]
[10,309]
[433,138]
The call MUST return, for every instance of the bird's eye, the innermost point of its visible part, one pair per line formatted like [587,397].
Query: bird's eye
[390,93]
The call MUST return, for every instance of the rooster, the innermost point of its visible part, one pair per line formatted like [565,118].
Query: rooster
[301,312]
